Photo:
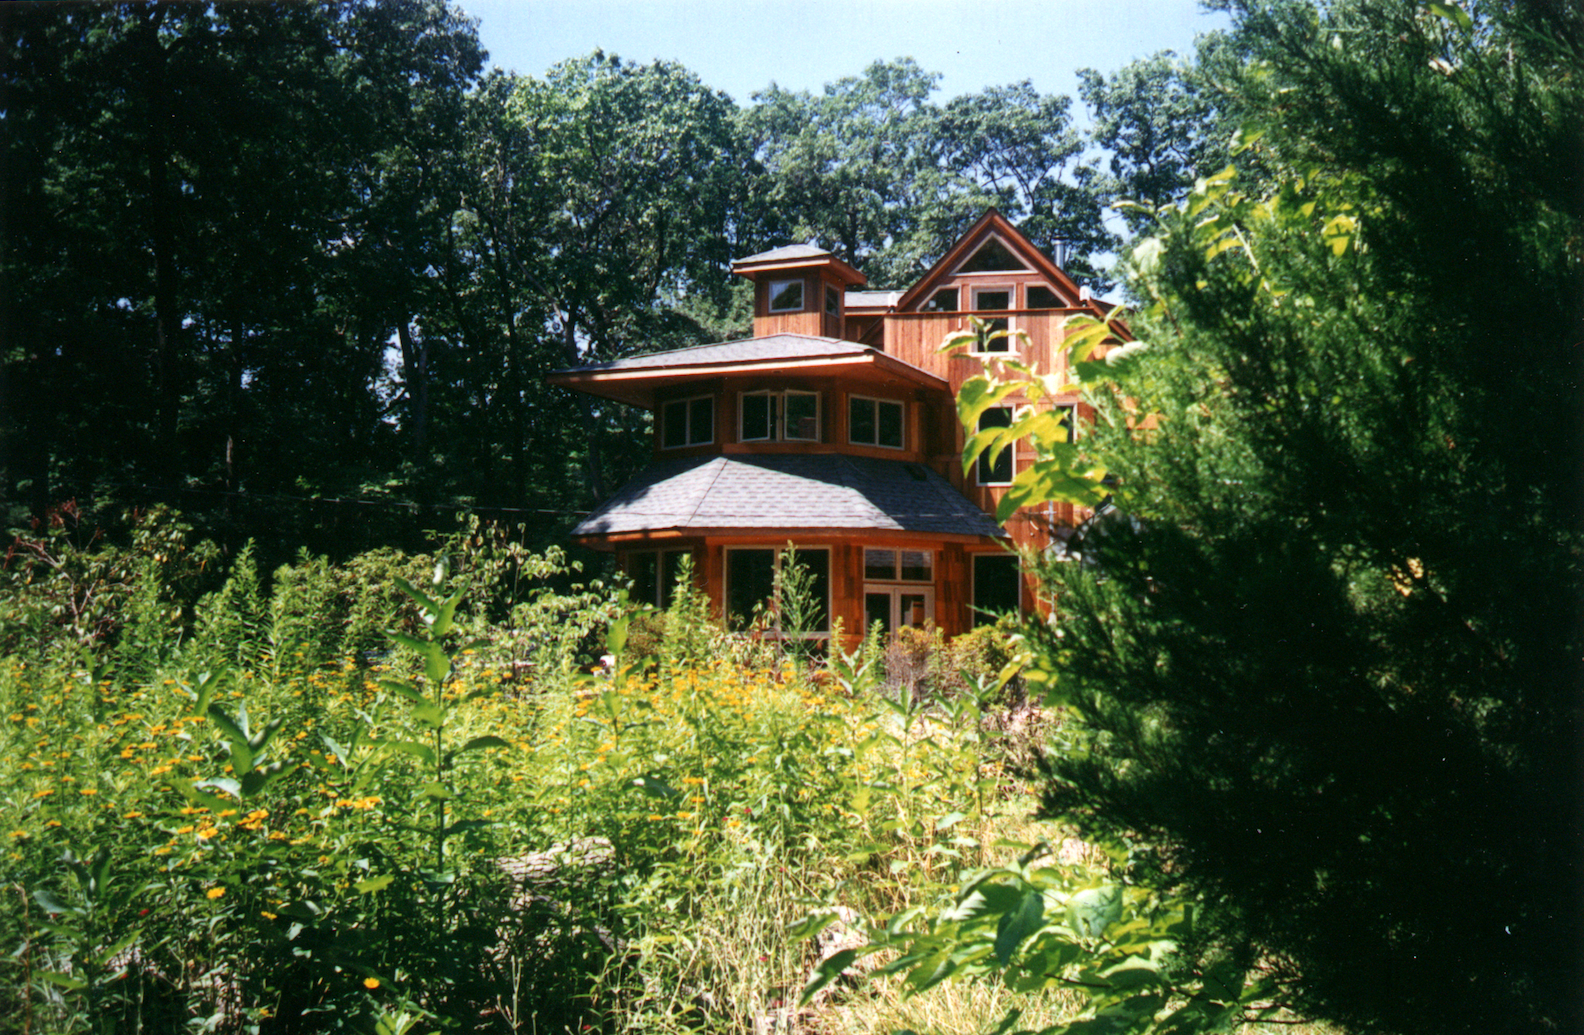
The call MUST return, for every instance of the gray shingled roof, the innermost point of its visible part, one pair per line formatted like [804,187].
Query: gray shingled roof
[760,492]
[787,253]
[746,350]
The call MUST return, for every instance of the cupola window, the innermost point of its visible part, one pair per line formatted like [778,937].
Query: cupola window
[786,296]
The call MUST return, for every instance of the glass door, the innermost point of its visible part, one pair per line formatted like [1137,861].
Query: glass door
[898,607]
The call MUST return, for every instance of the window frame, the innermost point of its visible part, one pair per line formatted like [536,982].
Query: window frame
[981,616]
[832,301]
[897,567]
[661,597]
[778,415]
[687,403]
[854,397]
[776,553]
[1011,292]
[775,286]
[1009,454]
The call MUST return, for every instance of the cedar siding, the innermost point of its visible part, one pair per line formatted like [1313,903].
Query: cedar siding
[834,428]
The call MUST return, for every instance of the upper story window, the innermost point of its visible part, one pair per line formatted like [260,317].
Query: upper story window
[779,416]
[994,299]
[997,471]
[832,301]
[687,422]
[874,422]
[992,257]
[1041,297]
[942,301]
[786,296]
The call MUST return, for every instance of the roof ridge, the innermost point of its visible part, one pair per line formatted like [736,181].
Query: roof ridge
[719,463]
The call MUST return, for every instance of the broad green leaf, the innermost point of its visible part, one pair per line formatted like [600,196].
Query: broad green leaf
[655,787]
[482,743]
[447,613]
[1015,927]
[402,688]
[260,778]
[464,825]
[829,970]
[950,820]
[373,884]
[1092,910]
[50,904]
[422,599]
[104,956]
[979,394]
[1452,13]
[422,752]
[430,714]
[222,783]
[60,980]
[436,790]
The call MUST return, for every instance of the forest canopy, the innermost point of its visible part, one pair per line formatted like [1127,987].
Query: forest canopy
[284,266]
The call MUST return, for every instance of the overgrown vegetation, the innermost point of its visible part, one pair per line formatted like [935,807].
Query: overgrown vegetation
[276,818]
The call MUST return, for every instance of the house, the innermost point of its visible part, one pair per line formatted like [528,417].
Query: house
[834,428]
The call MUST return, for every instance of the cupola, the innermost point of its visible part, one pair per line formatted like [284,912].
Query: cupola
[798,289]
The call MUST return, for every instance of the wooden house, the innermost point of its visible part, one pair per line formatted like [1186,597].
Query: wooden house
[834,429]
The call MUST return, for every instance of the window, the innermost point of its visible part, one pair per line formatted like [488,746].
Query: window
[779,416]
[999,470]
[895,607]
[1042,297]
[874,422]
[1069,416]
[687,422]
[654,575]
[992,257]
[997,587]
[832,301]
[993,299]
[786,296]
[751,585]
[899,565]
[942,301]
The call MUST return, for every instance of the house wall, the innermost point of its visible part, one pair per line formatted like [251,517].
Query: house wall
[952,586]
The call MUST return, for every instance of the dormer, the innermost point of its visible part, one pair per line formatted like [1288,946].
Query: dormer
[799,289]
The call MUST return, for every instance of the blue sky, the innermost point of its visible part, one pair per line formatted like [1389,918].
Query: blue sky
[741,46]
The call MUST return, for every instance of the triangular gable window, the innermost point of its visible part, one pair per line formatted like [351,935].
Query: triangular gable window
[992,257]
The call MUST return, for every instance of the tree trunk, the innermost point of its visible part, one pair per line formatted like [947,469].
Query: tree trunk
[415,371]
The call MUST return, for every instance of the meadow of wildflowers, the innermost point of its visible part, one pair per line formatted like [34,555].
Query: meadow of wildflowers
[281,822]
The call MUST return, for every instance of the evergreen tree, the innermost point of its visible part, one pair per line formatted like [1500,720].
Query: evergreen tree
[1327,672]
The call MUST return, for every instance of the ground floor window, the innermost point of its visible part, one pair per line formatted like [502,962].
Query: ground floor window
[751,575]
[997,587]
[897,607]
[654,575]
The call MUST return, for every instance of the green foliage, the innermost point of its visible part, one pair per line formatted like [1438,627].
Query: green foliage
[1328,635]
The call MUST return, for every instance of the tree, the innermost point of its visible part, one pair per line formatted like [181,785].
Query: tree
[1326,673]
[635,170]
[873,169]
[1020,147]
[1160,122]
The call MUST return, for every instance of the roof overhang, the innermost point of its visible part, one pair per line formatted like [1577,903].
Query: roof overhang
[641,385]
[754,267]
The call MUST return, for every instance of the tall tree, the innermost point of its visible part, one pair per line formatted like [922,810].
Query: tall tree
[634,169]
[1328,678]
[1162,124]
[1021,146]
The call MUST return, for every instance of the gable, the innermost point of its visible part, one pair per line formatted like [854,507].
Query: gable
[994,253]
